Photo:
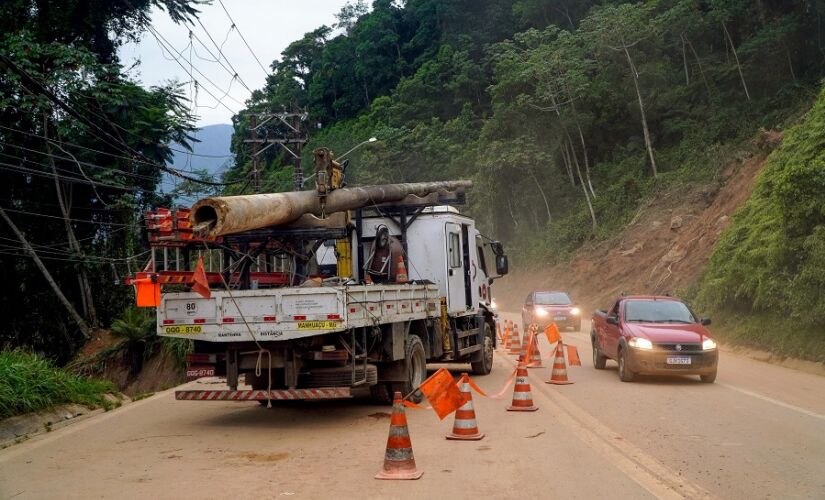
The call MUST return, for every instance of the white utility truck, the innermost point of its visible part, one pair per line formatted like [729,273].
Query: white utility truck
[411,286]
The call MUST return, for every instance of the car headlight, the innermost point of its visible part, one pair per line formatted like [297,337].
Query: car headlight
[640,343]
[575,311]
[541,312]
[708,345]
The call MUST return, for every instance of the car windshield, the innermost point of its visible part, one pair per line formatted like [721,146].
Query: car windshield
[658,311]
[552,299]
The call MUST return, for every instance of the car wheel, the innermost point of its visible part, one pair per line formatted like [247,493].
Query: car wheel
[625,373]
[709,378]
[599,359]
[485,365]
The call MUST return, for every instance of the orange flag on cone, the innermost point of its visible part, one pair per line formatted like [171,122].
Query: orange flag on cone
[552,333]
[442,393]
[199,282]
[573,355]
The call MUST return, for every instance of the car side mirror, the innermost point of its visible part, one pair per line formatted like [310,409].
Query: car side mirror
[705,321]
[613,320]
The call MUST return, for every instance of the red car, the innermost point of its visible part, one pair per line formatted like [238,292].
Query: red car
[545,307]
[653,335]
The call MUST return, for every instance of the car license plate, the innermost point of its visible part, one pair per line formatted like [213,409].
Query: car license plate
[678,360]
[183,329]
[318,325]
[560,318]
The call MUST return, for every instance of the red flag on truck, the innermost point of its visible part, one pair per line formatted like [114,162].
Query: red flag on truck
[199,282]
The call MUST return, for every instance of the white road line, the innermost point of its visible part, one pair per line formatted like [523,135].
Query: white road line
[645,470]
[788,406]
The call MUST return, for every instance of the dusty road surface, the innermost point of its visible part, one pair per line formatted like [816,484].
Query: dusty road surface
[759,432]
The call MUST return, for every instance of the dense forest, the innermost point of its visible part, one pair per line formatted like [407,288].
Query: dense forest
[566,114]
[82,149]
[582,107]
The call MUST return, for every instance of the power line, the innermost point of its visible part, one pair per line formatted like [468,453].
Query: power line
[166,45]
[266,73]
[92,126]
[41,173]
[113,155]
[86,258]
[231,68]
[117,224]
[66,158]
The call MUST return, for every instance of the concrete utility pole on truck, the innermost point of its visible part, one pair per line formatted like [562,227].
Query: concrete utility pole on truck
[411,286]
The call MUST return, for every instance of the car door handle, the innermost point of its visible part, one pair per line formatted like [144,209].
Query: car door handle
[450,272]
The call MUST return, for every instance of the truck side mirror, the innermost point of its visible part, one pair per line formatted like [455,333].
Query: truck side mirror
[502,264]
[613,320]
[705,321]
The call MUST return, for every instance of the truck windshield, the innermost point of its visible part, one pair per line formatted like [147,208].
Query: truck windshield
[552,299]
[658,311]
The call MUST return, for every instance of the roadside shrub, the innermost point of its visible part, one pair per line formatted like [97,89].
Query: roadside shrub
[29,383]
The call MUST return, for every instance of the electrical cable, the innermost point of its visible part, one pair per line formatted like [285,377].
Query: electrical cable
[92,126]
[243,38]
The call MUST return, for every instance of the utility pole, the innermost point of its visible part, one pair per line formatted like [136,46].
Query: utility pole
[293,136]
[253,131]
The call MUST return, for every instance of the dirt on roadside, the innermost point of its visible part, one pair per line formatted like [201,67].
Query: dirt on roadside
[663,250]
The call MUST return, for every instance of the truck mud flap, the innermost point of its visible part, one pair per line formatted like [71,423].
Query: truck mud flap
[253,395]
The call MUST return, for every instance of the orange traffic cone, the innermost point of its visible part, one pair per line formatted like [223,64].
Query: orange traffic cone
[525,342]
[522,396]
[559,374]
[400,270]
[399,462]
[508,337]
[515,342]
[534,355]
[465,426]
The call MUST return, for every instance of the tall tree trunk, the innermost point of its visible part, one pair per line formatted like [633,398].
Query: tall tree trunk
[584,145]
[684,59]
[736,58]
[790,62]
[698,63]
[87,298]
[84,327]
[543,196]
[648,142]
[565,156]
[583,184]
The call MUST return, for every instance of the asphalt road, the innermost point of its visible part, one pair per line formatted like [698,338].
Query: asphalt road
[759,432]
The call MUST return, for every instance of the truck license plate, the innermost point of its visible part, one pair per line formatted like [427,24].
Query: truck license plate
[318,325]
[678,360]
[183,329]
[560,318]
[198,371]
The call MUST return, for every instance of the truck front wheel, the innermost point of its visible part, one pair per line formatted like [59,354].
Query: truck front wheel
[415,362]
[485,365]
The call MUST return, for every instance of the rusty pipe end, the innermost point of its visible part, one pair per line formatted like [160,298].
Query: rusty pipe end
[205,217]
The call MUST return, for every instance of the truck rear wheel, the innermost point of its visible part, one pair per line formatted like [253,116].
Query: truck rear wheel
[415,364]
[485,365]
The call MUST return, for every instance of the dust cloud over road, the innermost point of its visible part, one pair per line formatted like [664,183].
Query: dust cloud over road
[758,432]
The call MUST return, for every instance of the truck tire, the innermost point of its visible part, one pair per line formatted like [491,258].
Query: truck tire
[625,373]
[415,366]
[599,359]
[485,365]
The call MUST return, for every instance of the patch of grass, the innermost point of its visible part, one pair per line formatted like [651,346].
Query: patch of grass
[767,332]
[29,383]
[178,348]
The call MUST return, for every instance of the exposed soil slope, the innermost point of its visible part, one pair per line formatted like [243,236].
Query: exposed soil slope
[663,250]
